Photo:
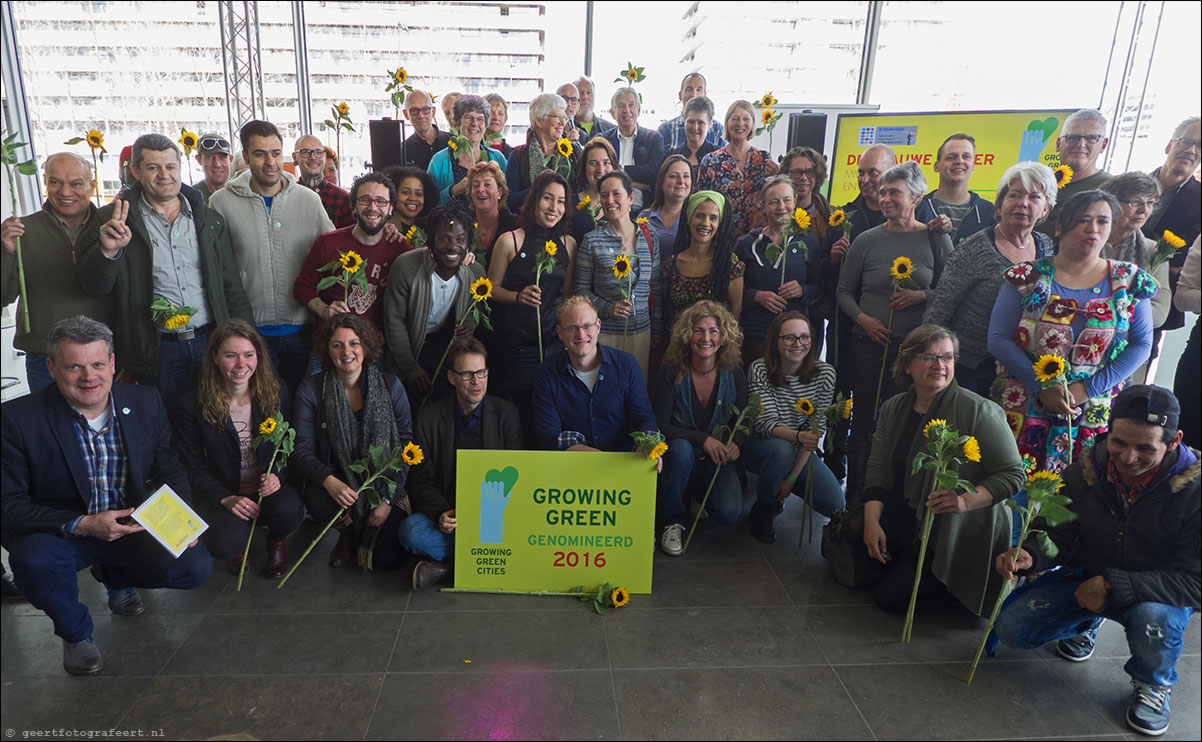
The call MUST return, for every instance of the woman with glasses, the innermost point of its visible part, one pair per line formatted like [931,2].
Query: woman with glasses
[449,166]
[970,526]
[783,447]
[541,150]
[1137,194]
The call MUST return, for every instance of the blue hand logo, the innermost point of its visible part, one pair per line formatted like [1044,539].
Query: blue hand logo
[1035,137]
[495,491]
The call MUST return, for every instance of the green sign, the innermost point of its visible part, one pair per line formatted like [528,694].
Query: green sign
[552,520]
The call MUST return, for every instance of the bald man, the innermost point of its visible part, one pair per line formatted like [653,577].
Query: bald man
[51,239]
[310,158]
[426,139]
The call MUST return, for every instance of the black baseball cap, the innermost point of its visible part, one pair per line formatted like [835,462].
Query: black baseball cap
[1150,405]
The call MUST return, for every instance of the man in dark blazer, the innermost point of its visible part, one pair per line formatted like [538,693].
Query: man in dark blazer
[467,420]
[1179,209]
[642,160]
[78,458]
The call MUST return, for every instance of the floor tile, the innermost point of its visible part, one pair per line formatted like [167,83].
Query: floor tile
[868,635]
[261,707]
[40,704]
[710,637]
[501,641]
[288,644]
[809,583]
[540,704]
[1015,699]
[131,645]
[743,703]
[679,583]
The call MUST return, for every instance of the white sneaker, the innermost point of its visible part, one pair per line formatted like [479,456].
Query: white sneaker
[670,542]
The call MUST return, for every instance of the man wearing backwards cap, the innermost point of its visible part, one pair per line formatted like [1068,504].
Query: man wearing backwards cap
[214,154]
[1131,556]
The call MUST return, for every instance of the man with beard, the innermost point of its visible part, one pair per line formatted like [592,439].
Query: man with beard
[310,158]
[358,251]
[215,157]
[272,223]
[429,290]
[586,121]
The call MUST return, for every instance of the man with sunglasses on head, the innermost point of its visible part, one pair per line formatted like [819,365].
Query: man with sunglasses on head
[1082,141]
[310,158]
[215,157]
[426,139]
[468,420]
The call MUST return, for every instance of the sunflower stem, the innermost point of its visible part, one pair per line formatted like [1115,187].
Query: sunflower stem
[927,520]
[434,378]
[1001,598]
[12,192]
[876,408]
[320,536]
[538,317]
[249,537]
[1068,397]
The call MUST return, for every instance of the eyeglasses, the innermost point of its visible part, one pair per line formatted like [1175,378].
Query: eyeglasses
[803,174]
[572,100]
[795,339]
[310,153]
[573,329]
[1078,138]
[1187,143]
[944,358]
[382,203]
[1138,203]
[422,111]
[555,117]
[211,144]
[468,118]
[467,375]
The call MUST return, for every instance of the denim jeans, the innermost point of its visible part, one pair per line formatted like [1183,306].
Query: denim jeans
[179,367]
[772,459]
[684,471]
[46,565]
[290,355]
[421,536]
[1049,612]
[37,376]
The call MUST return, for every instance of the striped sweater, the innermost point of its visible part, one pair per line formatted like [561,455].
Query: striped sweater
[780,402]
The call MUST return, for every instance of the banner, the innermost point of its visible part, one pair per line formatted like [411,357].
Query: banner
[1004,138]
[552,520]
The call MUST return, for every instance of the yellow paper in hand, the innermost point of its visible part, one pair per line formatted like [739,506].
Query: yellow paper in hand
[169,519]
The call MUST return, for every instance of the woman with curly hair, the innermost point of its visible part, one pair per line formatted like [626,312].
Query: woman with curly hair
[237,392]
[700,387]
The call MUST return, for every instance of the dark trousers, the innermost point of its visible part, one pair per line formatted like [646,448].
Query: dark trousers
[1185,386]
[280,511]
[979,379]
[892,591]
[387,553]
[290,355]
[46,566]
[864,373]
[179,366]
[435,346]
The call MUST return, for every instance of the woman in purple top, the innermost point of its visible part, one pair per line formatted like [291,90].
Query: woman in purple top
[1094,313]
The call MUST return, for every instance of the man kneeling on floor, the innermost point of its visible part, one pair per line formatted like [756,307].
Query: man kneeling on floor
[78,457]
[1136,540]
[467,420]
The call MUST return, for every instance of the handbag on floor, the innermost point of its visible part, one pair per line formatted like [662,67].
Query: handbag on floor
[844,550]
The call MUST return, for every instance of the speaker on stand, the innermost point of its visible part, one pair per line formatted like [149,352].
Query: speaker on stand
[807,129]
[387,143]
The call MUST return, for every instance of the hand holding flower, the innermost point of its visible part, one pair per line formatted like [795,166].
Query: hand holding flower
[269,485]
[790,290]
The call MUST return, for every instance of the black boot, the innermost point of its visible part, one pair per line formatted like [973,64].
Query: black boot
[760,520]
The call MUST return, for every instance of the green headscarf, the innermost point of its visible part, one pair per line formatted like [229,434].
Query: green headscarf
[695,200]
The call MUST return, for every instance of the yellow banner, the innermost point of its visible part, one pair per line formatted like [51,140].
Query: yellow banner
[1004,138]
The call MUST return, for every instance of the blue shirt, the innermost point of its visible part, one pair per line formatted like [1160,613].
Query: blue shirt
[673,133]
[566,414]
[105,460]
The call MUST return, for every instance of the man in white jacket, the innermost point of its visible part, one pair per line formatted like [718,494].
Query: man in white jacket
[273,222]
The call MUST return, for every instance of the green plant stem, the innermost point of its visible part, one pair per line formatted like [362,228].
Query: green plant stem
[538,316]
[12,192]
[876,408]
[1001,598]
[249,537]
[927,520]
[320,536]
[810,495]
[96,165]
[701,509]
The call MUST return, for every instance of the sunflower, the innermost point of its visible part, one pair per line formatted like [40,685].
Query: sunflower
[1064,176]
[351,261]
[585,200]
[659,449]
[801,218]
[267,427]
[412,454]
[454,147]
[481,289]
[804,406]
[550,248]
[1173,239]
[411,233]
[1029,463]
[1044,476]
[641,220]
[972,450]
[343,109]
[766,116]
[176,321]
[400,75]
[95,139]
[837,217]
[902,268]
[632,75]
[932,428]
[187,140]
[564,146]
[847,410]
[620,597]
[621,266]
[767,101]
[1049,367]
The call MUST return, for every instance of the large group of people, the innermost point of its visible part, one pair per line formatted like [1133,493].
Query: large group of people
[635,281]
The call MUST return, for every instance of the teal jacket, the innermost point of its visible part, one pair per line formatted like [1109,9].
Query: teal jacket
[440,168]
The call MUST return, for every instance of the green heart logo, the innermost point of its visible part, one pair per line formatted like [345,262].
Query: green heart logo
[508,475]
[1048,126]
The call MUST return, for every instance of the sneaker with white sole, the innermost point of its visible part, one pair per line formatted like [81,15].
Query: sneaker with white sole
[1149,709]
[1078,648]
[670,541]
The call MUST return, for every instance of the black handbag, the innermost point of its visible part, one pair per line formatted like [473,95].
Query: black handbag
[844,550]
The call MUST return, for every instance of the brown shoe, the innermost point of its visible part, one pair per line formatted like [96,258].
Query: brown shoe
[233,565]
[277,557]
[343,553]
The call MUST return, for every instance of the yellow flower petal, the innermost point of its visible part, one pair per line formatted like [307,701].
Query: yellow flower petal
[902,268]
[933,427]
[412,454]
[972,450]
[481,289]
[267,427]
[620,597]
[1064,176]
[1049,367]
[837,217]
[1173,239]
[804,406]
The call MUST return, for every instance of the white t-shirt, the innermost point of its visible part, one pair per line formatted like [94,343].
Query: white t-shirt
[442,298]
[588,377]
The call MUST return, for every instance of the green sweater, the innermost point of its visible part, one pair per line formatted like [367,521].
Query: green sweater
[47,255]
[963,545]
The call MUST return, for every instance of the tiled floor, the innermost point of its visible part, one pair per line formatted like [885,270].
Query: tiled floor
[739,641]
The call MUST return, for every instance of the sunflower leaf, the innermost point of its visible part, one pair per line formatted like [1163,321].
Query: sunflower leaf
[326,282]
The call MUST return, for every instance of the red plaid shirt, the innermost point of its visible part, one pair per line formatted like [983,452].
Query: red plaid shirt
[337,203]
[1128,494]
